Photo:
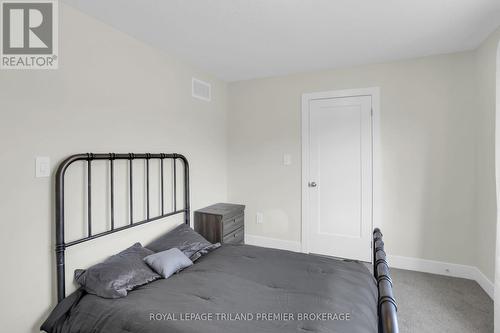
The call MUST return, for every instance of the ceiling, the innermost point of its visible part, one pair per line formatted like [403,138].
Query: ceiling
[244,39]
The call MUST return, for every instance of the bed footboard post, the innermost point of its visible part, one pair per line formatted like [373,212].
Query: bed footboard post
[387,308]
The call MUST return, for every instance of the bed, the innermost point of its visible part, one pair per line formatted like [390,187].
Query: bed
[235,288]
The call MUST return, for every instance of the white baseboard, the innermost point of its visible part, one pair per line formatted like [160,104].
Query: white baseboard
[484,282]
[272,243]
[443,268]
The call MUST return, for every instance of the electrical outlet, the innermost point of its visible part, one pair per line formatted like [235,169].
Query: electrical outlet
[259,218]
[287,159]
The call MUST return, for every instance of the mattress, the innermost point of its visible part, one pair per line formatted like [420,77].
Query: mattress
[236,288]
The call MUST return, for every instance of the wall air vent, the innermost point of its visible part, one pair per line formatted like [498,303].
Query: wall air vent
[201,90]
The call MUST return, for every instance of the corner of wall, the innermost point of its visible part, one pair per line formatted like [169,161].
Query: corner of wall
[485,199]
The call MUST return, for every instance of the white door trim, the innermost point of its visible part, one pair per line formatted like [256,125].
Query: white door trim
[374,92]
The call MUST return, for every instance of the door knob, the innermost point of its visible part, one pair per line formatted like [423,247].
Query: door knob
[312,184]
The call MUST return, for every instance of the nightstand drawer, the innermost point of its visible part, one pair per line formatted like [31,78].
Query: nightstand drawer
[219,222]
[232,224]
[235,237]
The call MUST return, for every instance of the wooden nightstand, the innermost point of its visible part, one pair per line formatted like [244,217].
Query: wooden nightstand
[222,222]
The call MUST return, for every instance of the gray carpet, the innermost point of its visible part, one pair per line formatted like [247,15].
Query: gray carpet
[436,303]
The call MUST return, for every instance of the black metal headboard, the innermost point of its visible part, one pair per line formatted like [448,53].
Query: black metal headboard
[61,245]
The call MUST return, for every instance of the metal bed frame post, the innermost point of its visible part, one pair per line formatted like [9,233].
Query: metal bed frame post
[386,307]
[61,244]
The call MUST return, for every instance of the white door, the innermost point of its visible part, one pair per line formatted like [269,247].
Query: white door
[340,177]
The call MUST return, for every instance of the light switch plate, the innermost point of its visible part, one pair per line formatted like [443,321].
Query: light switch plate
[42,167]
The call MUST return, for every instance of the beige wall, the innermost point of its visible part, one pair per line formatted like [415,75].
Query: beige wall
[428,152]
[485,155]
[489,84]
[111,93]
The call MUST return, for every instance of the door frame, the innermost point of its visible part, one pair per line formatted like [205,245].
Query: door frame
[374,93]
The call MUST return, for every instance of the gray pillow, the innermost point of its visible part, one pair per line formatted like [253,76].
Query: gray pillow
[191,243]
[201,250]
[118,274]
[168,262]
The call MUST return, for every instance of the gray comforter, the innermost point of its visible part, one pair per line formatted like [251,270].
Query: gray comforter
[237,288]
